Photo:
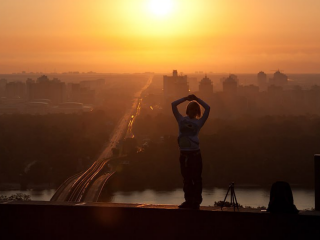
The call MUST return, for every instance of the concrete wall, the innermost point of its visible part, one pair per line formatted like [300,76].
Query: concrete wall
[46,220]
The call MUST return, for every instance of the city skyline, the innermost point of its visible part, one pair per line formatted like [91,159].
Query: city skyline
[145,35]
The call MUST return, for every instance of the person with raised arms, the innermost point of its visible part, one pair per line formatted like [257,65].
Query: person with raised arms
[190,155]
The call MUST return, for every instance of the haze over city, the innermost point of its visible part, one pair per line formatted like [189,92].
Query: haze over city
[148,35]
[115,115]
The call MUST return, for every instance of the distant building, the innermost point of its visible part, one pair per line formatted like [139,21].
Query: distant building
[230,85]
[29,81]
[205,86]
[37,108]
[275,91]
[314,97]
[193,84]
[94,84]
[279,79]
[43,88]
[175,86]
[15,90]
[71,107]
[80,93]
[48,101]
[3,83]
[262,81]
[248,91]
[8,109]
[297,93]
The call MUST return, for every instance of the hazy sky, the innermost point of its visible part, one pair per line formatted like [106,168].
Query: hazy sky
[145,35]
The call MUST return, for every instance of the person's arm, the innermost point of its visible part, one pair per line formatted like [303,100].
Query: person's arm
[206,107]
[174,105]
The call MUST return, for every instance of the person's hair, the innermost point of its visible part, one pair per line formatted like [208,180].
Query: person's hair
[193,106]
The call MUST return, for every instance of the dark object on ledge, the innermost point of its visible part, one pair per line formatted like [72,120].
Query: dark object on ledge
[281,199]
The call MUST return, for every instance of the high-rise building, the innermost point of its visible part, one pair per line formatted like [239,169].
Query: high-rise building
[175,86]
[205,86]
[262,81]
[44,88]
[230,85]
[279,79]
[15,90]
[3,83]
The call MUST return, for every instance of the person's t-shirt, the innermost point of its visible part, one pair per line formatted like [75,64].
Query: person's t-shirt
[188,133]
[189,128]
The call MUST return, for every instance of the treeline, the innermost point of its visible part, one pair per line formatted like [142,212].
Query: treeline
[43,148]
[246,150]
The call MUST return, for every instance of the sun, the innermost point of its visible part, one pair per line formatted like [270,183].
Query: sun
[161,7]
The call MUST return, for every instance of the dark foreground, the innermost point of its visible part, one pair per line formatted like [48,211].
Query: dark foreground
[47,220]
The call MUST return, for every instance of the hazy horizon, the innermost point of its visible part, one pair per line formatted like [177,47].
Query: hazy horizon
[157,36]
[157,73]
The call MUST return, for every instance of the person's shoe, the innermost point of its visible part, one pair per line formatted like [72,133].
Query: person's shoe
[185,205]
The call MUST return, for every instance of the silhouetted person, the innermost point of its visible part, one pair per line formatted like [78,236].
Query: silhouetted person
[190,155]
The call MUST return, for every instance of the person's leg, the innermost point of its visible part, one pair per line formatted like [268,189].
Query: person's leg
[186,172]
[196,178]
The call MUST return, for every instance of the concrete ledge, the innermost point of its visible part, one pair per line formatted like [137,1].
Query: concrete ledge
[47,220]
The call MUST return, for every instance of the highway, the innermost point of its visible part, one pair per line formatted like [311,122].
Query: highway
[86,186]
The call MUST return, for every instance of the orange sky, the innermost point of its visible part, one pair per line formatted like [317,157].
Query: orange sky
[129,36]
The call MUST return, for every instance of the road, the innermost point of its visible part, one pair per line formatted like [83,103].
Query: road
[121,130]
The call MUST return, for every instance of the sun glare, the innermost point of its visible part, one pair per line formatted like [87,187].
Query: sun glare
[160,7]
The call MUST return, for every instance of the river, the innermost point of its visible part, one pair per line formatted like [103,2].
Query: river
[253,197]
[246,196]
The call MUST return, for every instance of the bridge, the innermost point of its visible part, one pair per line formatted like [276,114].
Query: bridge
[87,186]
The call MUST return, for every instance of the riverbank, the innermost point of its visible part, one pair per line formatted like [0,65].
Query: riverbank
[253,197]
[247,196]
